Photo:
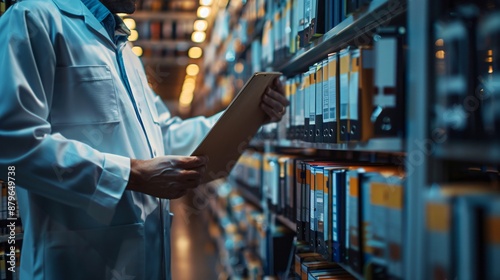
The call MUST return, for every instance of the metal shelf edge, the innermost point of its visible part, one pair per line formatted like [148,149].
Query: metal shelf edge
[388,145]
[5,237]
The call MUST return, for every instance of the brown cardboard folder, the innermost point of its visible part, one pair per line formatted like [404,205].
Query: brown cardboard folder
[231,134]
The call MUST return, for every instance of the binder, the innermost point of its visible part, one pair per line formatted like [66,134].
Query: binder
[288,35]
[331,209]
[303,22]
[311,92]
[382,217]
[331,100]
[387,116]
[297,25]
[338,214]
[360,101]
[344,72]
[299,108]
[300,176]
[283,185]
[395,208]
[290,196]
[325,103]
[307,108]
[318,19]
[308,195]
[290,118]
[318,132]
[317,208]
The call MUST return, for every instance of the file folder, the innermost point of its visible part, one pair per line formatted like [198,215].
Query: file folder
[228,138]
[318,132]
[344,76]
[331,100]
[387,116]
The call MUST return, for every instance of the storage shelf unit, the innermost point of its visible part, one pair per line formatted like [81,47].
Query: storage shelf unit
[377,13]
[389,145]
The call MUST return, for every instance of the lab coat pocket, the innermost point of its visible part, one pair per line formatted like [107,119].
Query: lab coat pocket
[109,253]
[84,95]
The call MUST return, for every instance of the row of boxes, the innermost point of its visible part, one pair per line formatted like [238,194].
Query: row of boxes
[353,95]
[349,213]
[463,229]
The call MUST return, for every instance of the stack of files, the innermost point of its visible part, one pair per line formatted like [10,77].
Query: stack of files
[362,186]
[462,222]
[354,95]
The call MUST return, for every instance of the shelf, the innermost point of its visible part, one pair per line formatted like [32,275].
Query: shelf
[388,145]
[285,221]
[351,271]
[248,196]
[4,238]
[376,14]
[484,153]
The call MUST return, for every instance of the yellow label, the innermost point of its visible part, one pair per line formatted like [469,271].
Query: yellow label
[378,193]
[394,197]
[320,185]
[438,217]
[344,63]
[332,68]
[353,187]
[355,64]
[325,183]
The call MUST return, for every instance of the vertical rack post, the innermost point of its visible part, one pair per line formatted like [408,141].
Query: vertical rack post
[417,114]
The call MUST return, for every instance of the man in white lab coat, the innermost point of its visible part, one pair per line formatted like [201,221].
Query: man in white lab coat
[86,139]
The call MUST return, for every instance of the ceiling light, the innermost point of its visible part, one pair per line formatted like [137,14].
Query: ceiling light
[134,35]
[186,98]
[188,87]
[198,36]
[130,23]
[200,25]
[137,50]
[192,69]
[190,80]
[203,12]
[206,2]
[195,52]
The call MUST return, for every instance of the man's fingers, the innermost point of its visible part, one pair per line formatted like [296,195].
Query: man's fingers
[191,162]
[270,112]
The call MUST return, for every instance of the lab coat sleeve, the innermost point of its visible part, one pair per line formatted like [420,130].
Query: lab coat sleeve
[47,164]
[181,137]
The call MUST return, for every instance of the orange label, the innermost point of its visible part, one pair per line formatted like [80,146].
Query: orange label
[378,193]
[438,217]
[394,197]
[320,181]
[353,187]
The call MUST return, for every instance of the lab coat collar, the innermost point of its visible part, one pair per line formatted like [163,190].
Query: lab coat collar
[77,8]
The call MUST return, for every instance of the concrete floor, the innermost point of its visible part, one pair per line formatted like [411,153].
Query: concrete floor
[193,252]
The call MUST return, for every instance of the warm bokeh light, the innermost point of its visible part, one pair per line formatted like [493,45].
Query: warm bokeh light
[239,67]
[198,36]
[195,52]
[186,98]
[190,80]
[188,87]
[200,25]
[206,2]
[130,23]
[203,11]
[122,15]
[134,35]
[137,50]
[440,54]
[192,69]
[439,42]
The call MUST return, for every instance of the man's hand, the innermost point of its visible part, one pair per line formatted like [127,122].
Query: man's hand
[167,176]
[274,102]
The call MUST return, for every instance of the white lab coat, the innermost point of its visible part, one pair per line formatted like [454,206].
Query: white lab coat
[70,126]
